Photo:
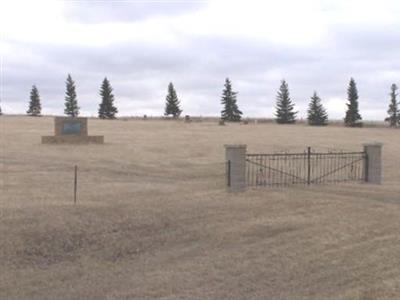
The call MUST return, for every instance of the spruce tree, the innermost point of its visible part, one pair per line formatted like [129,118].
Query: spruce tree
[316,112]
[393,111]
[71,102]
[231,111]
[107,110]
[353,117]
[35,107]
[172,102]
[285,113]
[1,112]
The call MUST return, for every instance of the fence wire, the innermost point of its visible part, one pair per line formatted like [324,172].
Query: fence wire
[56,180]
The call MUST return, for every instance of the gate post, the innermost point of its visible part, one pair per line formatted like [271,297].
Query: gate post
[373,163]
[235,157]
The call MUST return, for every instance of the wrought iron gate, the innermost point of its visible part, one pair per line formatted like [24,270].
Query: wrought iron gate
[305,168]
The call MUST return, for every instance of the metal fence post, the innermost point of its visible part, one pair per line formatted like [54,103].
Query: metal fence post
[365,170]
[228,174]
[308,165]
[75,182]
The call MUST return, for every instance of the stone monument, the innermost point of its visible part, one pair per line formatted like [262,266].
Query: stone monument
[71,130]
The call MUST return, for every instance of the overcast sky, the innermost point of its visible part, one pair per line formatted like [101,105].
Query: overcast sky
[141,46]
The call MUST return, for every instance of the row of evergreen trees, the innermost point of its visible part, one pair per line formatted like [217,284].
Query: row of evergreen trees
[107,110]
[316,113]
[285,113]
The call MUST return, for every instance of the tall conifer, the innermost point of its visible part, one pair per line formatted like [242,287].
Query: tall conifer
[172,104]
[35,107]
[316,112]
[353,117]
[231,110]
[71,102]
[107,110]
[393,111]
[285,113]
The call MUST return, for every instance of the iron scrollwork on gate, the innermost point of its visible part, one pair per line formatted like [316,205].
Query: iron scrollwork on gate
[309,167]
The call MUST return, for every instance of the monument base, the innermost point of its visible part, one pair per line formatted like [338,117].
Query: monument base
[73,139]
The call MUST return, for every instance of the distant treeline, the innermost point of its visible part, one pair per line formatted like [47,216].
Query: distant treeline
[284,108]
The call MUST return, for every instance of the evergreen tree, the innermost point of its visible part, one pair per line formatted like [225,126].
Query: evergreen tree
[353,117]
[35,107]
[316,112]
[107,110]
[172,102]
[231,111]
[285,113]
[393,111]
[1,113]
[71,102]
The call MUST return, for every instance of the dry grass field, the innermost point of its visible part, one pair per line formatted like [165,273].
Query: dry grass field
[153,219]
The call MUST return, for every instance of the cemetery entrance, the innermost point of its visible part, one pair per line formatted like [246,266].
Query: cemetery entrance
[309,167]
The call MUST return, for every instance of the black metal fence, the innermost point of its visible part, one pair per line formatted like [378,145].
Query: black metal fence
[309,167]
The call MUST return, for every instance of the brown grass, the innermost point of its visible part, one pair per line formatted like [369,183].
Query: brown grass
[153,220]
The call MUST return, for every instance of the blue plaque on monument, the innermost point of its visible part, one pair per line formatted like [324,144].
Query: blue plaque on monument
[71,128]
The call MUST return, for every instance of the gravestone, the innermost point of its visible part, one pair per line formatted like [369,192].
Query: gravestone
[187,119]
[68,130]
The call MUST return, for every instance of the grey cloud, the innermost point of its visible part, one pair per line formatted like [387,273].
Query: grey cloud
[126,11]
[140,73]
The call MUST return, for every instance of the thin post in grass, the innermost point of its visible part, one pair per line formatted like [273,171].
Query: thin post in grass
[229,173]
[75,182]
[308,165]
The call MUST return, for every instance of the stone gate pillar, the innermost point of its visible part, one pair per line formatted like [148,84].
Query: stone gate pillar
[235,158]
[373,163]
